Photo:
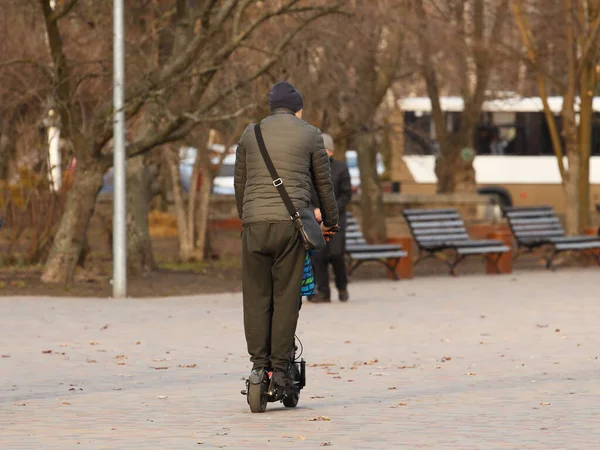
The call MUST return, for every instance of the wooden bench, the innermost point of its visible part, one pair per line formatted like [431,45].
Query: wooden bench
[538,227]
[441,234]
[358,251]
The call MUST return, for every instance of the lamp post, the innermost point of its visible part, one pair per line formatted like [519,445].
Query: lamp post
[119,220]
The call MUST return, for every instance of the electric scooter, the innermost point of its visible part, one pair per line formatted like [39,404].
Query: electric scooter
[260,388]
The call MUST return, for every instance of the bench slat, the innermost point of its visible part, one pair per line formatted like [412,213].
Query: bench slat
[372,248]
[425,231]
[443,237]
[546,227]
[361,241]
[482,250]
[534,220]
[539,234]
[517,214]
[438,224]
[577,245]
[377,255]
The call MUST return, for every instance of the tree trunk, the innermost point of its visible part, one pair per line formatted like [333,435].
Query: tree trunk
[571,183]
[69,240]
[454,168]
[371,202]
[585,143]
[186,236]
[139,245]
[203,212]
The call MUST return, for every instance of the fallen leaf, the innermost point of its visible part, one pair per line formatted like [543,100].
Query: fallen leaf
[446,358]
[557,330]
[337,376]
[326,444]
[94,343]
[158,359]
[544,404]
[470,373]
[200,442]
[120,363]
[187,366]
[393,388]
[347,342]
[46,351]
[401,404]
[161,368]
[121,357]
[332,373]
[116,389]
[113,428]
[317,396]
[137,342]
[6,356]
[301,438]
[65,403]
[91,361]
[319,419]
[20,404]
[414,366]
[161,397]
[104,327]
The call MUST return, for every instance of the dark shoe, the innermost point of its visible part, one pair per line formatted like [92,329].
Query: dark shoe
[320,298]
[257,375]
[343,296]
[281,379]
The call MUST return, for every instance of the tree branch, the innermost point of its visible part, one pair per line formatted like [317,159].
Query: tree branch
[66,9]
[527,37]
[42,68]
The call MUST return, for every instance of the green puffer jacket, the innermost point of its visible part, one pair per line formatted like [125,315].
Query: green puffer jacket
[298,154]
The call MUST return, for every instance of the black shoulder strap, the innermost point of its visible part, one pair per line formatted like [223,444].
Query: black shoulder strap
[277,182]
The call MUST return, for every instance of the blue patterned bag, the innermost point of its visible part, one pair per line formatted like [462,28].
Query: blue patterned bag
[308,279]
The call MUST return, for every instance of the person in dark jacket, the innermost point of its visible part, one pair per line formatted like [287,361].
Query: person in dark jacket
[273,255]
[334,252]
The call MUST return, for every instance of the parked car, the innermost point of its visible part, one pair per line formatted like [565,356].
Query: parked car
[223,183]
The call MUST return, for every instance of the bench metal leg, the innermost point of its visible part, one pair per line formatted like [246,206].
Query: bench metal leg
[423,255]
[550,259]
[390,267]
[497,262]
[455,262]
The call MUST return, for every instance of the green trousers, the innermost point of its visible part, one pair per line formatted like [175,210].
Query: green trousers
[272,269]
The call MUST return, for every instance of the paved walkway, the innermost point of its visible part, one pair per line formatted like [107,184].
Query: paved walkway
[474,362]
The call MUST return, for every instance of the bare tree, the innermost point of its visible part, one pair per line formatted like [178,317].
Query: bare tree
[458,40]
[347,68]
[576,36]
[168,101]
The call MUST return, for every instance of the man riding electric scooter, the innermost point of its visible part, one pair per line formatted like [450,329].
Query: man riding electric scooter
[273,252]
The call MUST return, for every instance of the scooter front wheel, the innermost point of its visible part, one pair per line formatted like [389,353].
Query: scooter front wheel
[257,398]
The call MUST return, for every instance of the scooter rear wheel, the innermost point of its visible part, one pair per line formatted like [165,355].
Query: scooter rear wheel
[291,400]
[257,397]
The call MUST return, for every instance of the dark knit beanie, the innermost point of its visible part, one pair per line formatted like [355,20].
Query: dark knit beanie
[284,95]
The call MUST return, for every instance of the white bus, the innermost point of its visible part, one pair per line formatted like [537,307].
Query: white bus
[514,158]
